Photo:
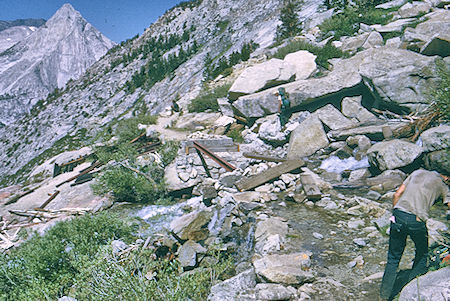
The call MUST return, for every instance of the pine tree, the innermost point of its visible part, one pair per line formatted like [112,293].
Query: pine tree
[290,25]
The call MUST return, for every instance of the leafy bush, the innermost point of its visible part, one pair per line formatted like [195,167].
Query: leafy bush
[127,129]
[45,267]
[236,135]
[323,53]
[127,181]
[207,101]
[440,95]
[140,277]
[143,184]
[346,23]
[168,152]
[129,186]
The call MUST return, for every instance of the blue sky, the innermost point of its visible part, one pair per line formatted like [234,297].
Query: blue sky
[117,19]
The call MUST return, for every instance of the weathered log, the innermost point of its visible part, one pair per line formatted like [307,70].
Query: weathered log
[263,157]
[222,162]
[85,171]
[269,174]
[51,198]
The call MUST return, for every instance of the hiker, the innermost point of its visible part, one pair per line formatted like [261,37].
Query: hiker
[412,202]
[175,107]
[283,106]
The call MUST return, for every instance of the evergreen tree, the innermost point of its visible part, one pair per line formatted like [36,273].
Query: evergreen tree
[290,24]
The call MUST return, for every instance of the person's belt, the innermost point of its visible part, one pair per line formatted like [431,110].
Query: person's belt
[411,214]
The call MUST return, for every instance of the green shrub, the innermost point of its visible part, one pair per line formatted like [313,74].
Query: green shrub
[127,129]
[236,135]
[45,267]
[129,186]
[440,95]
[323,53]
[346,23]
[168,152]
[140,277]
[207,101]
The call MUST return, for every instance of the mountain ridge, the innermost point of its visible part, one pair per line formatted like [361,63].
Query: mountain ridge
[59,50]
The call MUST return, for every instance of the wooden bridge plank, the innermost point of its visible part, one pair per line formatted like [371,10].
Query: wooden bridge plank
[269,174]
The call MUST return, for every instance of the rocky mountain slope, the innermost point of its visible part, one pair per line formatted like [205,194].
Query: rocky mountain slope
[302,206]
[21,22]
[217,27]
[11,32]
[45,59]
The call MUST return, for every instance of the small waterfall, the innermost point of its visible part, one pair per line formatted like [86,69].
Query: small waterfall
[159,216]
[250,238]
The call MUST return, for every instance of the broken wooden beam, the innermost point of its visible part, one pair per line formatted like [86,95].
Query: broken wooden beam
[263,157]
[241,119]
[214,145]
[83,179]
[222,162]
[51,198]
[138,137]
[149,147]
[268,175]
[78,160]
[205,166]
[16,198]
[310,187]
[85,171]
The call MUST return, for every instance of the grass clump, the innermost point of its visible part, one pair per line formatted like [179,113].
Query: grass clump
[236,135]
[323,53]
[45,267]
[207,100]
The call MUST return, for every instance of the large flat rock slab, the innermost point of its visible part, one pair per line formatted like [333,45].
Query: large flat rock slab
[268,74]
[285,269]
[80,196]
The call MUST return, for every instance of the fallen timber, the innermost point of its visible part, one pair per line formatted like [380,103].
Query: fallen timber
[214,145]
[205,166]
[263,157]
[222,162]
[68,166]
[268,175]
[85,171]
[16,198]
[48,213]
[149,147]
[51,198]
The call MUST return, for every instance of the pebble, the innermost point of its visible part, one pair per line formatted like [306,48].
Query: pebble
[318,235]
[360,242]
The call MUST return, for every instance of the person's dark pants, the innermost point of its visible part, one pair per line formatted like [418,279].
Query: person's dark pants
[405,224]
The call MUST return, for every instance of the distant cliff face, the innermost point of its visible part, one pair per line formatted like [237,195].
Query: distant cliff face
[45,59]
[21,22]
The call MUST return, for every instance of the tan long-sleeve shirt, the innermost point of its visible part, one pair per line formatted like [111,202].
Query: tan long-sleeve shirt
[422,189]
